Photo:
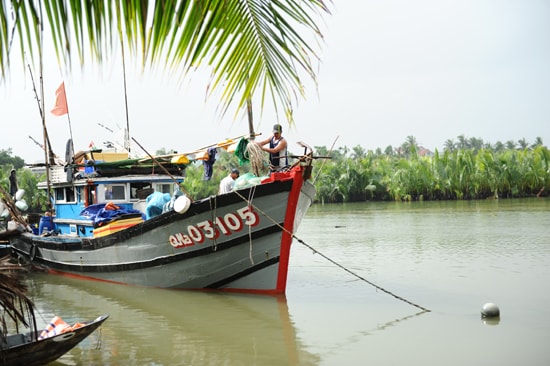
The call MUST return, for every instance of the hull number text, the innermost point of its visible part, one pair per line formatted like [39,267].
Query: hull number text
[230,223]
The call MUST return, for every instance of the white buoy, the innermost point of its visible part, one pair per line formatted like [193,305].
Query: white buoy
[182,204]
[19,194]
[490,310]
[22,205]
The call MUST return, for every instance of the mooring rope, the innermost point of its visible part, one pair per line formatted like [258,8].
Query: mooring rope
[359,276]
[249,201]
[331,260]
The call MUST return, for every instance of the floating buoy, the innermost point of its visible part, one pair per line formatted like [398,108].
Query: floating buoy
[181,204]
[21,205]
[19,194]
[490,310]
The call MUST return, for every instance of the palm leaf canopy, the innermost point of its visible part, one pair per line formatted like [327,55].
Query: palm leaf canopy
[16,308]
[249,47]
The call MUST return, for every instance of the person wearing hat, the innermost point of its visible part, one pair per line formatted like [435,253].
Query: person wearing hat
[277,149]
[228,183]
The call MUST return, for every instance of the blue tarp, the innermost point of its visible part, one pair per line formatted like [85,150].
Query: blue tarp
[155,204]
[100,215]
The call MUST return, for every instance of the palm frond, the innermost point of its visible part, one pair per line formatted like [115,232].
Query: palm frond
[248,46]
[14,302]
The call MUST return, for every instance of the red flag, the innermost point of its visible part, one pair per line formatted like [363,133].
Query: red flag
[60,101]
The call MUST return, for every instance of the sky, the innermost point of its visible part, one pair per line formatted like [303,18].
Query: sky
[432,69]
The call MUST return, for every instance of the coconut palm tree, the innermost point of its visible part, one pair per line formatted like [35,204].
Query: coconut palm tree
[247,46]
[449,145]
[14,302]
[538,142]
[410,146]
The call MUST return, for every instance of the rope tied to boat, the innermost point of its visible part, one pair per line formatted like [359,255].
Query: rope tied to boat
[249,203]
[213,214]
[315,251]
[359,276]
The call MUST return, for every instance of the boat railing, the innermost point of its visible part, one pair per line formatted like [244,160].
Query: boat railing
[58,174]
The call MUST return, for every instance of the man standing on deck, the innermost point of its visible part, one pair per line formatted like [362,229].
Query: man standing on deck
[278,159]
[228,183]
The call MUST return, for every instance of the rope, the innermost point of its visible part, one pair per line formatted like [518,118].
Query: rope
[213,215]
[249,202]
[333,261]
[360,277]
[257,158]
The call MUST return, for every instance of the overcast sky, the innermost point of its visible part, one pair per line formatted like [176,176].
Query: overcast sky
[433,69]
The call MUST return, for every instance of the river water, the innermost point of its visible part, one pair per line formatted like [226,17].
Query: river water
[359,277]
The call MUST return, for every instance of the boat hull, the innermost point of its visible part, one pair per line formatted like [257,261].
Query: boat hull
[22,349]
[237,242]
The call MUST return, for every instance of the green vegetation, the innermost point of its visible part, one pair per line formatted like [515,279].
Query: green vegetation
[26,179]
[468,169]
[410,173]
[406,173]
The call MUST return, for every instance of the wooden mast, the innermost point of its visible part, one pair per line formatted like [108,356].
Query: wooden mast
[47,147]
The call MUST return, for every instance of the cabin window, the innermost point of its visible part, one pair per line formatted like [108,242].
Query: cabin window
[69,194]
[115,192]
[79,195]
[65,194]
[164,188]
[90,195]
[140,190]
[59,194]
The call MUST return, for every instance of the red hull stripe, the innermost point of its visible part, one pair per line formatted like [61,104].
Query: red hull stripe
[286,239]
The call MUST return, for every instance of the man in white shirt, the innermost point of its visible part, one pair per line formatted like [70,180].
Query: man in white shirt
[228,183]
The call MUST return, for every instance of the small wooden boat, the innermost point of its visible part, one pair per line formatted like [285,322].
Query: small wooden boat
[27,349]
[17,310]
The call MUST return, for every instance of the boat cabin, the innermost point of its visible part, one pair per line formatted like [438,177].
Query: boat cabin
[72,193]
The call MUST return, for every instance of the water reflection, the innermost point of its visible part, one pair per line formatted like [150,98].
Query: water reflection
[450,257]
[491,321]
[164,327]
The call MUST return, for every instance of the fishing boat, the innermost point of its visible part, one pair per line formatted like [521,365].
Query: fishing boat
[129,221]
[33,348]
